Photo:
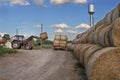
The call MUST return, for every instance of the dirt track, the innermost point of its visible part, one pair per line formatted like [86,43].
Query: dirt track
[38,65]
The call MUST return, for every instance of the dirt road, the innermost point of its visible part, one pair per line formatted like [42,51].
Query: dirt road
[45,64]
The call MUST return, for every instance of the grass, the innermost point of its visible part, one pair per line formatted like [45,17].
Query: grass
[6,50]
[81,70]
[44,46]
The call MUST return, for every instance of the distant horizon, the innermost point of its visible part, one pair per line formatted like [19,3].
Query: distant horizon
[65,17]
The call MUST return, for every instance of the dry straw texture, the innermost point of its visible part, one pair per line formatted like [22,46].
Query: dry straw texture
[104,64]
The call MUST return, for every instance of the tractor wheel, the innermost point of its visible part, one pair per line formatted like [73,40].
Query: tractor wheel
[16,45]
[28,47]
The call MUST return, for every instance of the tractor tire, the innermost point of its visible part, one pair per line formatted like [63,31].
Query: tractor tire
[16,45]
[28,47]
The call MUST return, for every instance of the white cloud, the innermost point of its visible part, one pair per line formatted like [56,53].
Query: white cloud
[60,26]
[80,1]
[59,30]
[59,2]
[40,2]
[16,2]
[82,26]
[71,31]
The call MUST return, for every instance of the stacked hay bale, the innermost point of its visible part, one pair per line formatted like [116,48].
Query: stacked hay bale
[98,49]
[60,42]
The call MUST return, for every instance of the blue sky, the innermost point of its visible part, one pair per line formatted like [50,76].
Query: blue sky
[57,16]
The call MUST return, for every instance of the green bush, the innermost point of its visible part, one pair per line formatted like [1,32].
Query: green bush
[6,50]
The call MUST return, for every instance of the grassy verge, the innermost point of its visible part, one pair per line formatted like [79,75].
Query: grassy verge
[81,70]
[6,51]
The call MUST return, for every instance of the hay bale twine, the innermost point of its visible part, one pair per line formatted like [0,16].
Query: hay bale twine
[116,12]
[89,52]
[104,64]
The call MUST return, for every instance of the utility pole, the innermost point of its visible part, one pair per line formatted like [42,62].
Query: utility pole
[17,31]
[41,33]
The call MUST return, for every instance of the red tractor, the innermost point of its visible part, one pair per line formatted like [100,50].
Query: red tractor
[19,41]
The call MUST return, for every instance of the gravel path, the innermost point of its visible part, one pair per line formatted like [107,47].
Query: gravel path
[45,64]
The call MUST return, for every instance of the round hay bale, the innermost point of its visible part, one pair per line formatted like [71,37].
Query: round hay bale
[57,37]
[98,35]
[90,52]
[107,39]
[99,23]
[76,50]
[89,35]
[63,37]
[44,36]
[108,17]
[116,12]
[63,42]
[63,46]
[104,64]
[114,34]
[56,43]
[79,35]
[76,41]
[82,51]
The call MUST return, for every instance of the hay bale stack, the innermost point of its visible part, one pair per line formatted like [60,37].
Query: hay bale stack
[116,13]
[82,51]
[89,52]
[76,50]
[104,64]
[114,33]
[60,42]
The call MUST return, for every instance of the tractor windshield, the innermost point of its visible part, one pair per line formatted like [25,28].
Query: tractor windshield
[19,37]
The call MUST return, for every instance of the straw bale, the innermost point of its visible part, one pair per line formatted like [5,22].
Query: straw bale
[108,17]
[76,50]
[89,35]
[76,41]
[114,34]
[79,35]
[107,39]
[99,35]
[116,12]
[56,43]
[90,52]
[104,64]
[82,51]
[63,38]
[57,37]
[63,45]
[63,42]
[99,23]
